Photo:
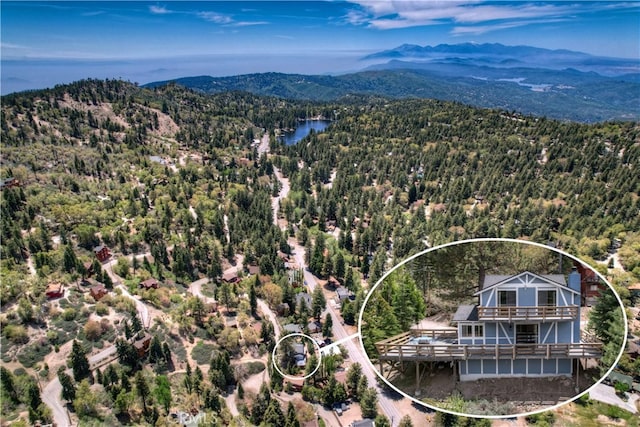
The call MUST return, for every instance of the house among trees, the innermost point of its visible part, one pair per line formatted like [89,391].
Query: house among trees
[149,284]
[300,355]
[253,269]
[9,183]
[88,269]
[534,318]
[102,253]
[343,293]
[363,423]
[98,291]
[230,276]
[142,344]
[590,285]
[524,325]
[282,309]
[314,327]
[303,296]
[54,290]
[291,328]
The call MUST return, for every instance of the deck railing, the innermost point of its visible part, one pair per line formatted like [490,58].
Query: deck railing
[401,350]
[567,312]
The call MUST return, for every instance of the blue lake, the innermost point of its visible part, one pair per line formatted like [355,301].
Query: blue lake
[303,129]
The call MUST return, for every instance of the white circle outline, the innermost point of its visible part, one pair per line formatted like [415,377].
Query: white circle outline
[492,239]
[296,334]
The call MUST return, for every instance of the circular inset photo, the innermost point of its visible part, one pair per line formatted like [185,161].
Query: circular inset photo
[296,356]
[492,328]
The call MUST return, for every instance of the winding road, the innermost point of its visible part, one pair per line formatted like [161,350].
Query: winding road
[356,352]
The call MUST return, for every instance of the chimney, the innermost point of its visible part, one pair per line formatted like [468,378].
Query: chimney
[574,279]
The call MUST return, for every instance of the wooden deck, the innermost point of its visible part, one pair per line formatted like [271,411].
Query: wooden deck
[403,347]
[543,313]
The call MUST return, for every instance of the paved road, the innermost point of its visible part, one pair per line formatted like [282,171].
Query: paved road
[284,191]
[607,394]
[264,308]
[196,289]
[51,394]
[51,397]
[356,353]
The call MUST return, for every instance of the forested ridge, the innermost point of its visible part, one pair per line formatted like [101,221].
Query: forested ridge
[178,176]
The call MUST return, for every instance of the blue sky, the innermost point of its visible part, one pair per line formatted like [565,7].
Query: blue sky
[44,43]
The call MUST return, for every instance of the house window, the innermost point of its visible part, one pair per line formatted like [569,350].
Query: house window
[507,298]
[469,331]
[478,330]
[526,334]
[547,298]
[593,287]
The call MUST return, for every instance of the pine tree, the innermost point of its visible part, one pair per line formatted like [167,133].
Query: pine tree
[155,350]
[79,362]
[253,298]
[318,303]
[327,327]
[240,391]
[368,402]
[68,386]
[70,262]
[162,392]
[273,416]
[142,389]
[354,373]
[292,419]
[8,383]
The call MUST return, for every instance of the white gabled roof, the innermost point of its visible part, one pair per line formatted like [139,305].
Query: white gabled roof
[524,278]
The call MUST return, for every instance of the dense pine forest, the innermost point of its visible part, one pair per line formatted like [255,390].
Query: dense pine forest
[176,184]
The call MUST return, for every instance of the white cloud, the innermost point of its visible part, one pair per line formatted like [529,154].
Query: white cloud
[159,10]
[215,17]
[481,29]
[249,23]
[4,45]
[473,16]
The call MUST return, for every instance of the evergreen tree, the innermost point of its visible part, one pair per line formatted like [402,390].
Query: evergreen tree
[188,380]
[68,386]
[162,392]
[260,404]
[253,298]
[405,421]
[368,401]
[79,362]
[318,303]
[354,373]
[292,419]
[69,261]
[273,416]
[8,384]
[142,389]
[240,391]
[327,327]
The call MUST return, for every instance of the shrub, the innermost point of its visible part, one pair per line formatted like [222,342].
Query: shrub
[69,314]
[17,334]
[615,412]
[92,330]
[34,353]
[202,352]
[102,309]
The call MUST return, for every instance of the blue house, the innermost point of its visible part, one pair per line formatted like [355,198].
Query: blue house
[523,325]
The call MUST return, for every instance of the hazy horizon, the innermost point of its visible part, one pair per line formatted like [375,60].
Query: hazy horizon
[49,43]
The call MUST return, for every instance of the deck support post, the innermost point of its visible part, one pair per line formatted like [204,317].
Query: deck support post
[417,378]
[577,375]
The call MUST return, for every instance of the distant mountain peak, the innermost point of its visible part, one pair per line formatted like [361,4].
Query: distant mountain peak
[470,48]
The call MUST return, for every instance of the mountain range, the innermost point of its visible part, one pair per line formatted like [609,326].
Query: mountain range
[559,84]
